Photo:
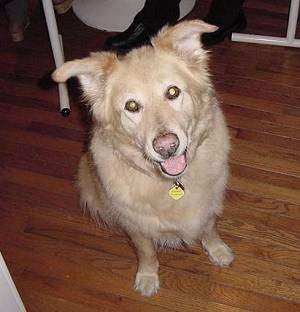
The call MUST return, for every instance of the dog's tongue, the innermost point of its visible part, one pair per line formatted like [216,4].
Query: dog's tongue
[174,165]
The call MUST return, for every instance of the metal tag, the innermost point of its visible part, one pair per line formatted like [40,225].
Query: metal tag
[177,190]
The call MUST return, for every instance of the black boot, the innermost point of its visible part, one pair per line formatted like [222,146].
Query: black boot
[137,34]
[228,15]
[154,15]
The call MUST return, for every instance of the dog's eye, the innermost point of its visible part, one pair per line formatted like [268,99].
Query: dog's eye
[132,106]
[172,92]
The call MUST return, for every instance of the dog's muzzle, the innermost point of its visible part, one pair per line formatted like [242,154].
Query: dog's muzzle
[166,145]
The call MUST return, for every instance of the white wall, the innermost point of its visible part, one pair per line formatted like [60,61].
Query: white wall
[10,300]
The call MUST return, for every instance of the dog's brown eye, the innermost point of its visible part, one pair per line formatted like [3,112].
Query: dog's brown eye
[172,92]
[132,106]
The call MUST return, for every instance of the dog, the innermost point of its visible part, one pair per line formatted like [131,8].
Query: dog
[157,162]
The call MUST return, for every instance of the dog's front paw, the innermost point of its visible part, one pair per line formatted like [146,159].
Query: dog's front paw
[146,283]
[221,255]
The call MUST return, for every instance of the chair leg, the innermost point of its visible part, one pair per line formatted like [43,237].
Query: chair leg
[57,50]
[288,41]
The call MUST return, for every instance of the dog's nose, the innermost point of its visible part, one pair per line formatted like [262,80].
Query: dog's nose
[166,145]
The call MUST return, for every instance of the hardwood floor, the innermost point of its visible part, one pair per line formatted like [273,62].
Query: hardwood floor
[58,258]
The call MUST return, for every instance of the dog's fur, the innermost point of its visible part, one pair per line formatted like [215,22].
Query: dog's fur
[120,179]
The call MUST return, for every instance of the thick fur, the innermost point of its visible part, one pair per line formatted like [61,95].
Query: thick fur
[120,180]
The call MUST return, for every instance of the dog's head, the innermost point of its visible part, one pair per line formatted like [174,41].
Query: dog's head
[156,100]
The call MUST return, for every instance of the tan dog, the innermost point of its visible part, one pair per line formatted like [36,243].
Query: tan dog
[157,162]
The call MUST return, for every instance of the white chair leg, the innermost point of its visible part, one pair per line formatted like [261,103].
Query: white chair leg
[288,41]
[57,50]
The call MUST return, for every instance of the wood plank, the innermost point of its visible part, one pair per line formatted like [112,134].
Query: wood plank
[261,110]
[38,159]
[45,140]
[265,156]
[245,200]
[261,126]
[173,280]
[265,176]
[238,183]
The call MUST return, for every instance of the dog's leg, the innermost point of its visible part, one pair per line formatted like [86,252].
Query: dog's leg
[146,280]
[219,253]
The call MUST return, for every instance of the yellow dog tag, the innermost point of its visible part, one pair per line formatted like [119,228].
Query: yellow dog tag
[176,191]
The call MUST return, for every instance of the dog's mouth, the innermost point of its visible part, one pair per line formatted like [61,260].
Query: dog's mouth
[174,165]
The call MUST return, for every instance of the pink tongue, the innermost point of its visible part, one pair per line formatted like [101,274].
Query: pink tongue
[174,165]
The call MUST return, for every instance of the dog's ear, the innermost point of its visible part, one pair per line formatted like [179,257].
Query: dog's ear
[183,38]
[91,71]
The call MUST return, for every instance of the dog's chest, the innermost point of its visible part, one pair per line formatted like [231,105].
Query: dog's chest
[151,208]
[143,203]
